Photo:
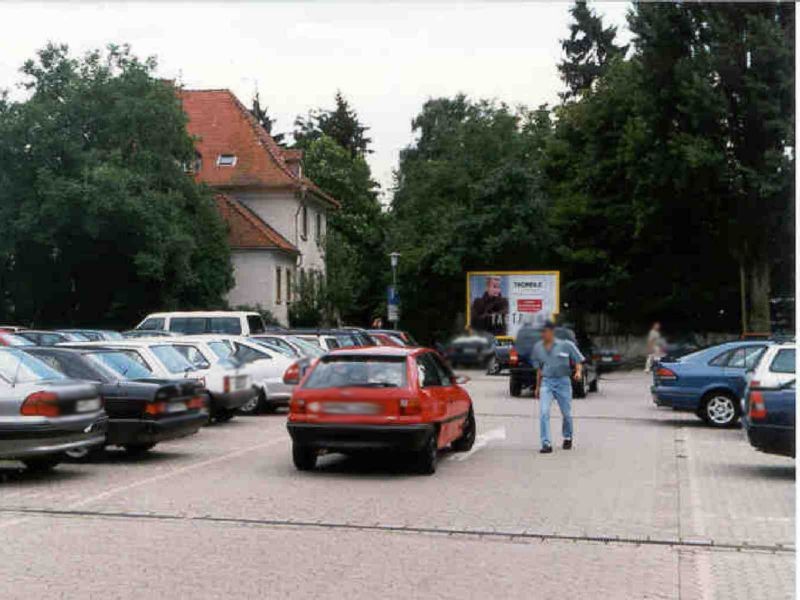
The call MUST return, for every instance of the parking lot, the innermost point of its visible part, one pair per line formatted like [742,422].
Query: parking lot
[649,504]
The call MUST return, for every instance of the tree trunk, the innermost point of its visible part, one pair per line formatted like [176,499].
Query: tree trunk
[758,291]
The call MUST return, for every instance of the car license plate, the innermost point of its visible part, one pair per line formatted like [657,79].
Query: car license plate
[469,351]
[87,405]
[174,407]
[607,359]
[350,408]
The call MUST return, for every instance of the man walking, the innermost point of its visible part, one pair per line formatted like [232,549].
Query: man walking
[552,358]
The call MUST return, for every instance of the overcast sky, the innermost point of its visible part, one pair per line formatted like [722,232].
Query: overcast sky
[387,58]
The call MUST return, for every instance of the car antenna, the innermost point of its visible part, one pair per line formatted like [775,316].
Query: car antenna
[16,371]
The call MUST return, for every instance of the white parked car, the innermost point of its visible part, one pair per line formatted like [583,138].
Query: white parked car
[199,322]
[228,385]
[266,366]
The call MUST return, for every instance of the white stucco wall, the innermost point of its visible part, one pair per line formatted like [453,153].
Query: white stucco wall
[255,274]
[283,211]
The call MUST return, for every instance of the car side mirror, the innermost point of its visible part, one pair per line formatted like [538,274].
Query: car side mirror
[460,379]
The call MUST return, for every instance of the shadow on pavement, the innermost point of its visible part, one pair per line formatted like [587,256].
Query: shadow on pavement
[119,456]
[19,476]
[689,421]
[779,472]
[377,464]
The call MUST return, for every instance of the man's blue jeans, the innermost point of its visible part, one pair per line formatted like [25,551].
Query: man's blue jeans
[559,388]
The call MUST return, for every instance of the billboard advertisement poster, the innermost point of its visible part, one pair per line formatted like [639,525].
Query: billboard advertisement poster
[499,301]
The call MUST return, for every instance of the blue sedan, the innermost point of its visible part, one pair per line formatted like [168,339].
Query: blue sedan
[709,382]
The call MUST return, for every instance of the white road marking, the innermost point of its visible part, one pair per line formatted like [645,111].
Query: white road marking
[159,477]
[482,441]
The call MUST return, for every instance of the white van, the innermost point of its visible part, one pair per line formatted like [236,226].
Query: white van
[197,322]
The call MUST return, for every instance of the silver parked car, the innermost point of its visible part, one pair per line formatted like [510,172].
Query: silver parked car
[43,413]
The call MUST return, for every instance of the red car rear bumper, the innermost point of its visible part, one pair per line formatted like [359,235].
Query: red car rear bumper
[341,437]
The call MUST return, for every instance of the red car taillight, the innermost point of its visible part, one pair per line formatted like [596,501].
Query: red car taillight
[292,374]
[155,408]
[513,357]
[41,404]
[758,408]
[196,402]
[617,357]
[226,384]
[664,373]
[297,406]
[410,406]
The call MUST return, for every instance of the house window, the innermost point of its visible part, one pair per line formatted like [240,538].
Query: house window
[226,160]
[319,228]
[277,285]
[288,286]
[305,223]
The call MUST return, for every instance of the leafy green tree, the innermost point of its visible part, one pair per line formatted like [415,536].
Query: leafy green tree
[656,170]
[588,51]
[717,82]
[468,196]
[750,51]
[101,224]
[340,124]
[355,244]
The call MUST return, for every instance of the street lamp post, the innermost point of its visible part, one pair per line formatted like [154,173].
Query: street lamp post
[394,257]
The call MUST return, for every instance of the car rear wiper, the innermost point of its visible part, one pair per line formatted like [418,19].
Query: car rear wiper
[379,384]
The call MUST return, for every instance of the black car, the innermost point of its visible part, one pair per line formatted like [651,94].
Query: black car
[680,345]
[470,350]
[524,375]
[142,410]
[501,360]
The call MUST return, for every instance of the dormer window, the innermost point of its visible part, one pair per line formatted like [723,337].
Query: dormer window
[226,160]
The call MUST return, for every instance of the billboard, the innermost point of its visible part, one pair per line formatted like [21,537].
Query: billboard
[499,301]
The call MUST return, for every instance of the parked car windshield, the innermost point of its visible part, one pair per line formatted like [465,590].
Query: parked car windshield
[124,363]
[228,325]
[346,341]
[784,361]
[275,348]
[20,367]
[358,371]
[221,349]
[172,360]
[306,347]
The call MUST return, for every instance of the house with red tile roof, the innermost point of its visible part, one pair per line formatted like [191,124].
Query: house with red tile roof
[276,216]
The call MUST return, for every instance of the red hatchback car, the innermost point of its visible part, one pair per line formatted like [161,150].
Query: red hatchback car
[380,398]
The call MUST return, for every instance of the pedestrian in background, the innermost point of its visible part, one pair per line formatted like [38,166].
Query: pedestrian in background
[377,323]
[655,343]
[552,358]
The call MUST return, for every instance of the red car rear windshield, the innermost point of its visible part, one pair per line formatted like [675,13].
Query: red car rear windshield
[358,371]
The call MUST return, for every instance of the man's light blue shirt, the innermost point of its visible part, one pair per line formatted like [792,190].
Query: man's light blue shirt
[555,362]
